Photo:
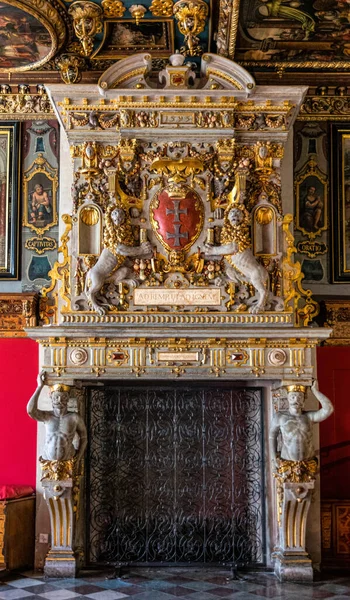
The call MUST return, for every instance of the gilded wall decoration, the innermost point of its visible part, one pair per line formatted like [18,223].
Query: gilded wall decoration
[24,104]
[337,316]
[87,23]
[191,16]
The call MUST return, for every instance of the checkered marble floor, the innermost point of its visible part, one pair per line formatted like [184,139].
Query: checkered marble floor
[168,584]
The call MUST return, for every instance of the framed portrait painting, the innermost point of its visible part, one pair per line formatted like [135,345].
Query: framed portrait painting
[9,199]
[340,174]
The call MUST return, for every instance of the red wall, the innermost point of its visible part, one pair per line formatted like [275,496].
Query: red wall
[18,373]
[333,368]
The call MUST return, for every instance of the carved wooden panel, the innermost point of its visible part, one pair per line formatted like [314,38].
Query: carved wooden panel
[17,518]
[335,533]
[17,311]
[337,315]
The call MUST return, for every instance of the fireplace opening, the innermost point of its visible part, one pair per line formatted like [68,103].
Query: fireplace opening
[175,475]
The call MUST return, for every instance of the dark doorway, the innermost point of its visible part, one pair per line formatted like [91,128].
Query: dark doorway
[175,475]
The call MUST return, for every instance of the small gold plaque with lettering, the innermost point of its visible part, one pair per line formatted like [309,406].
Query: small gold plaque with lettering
[178,356]
[176,297]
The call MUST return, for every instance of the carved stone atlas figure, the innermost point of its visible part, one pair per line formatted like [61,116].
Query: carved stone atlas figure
[61,426]
[119,244]
[295,426]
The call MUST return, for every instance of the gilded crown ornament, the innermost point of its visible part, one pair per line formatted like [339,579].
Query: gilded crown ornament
[296,388]
[60,387]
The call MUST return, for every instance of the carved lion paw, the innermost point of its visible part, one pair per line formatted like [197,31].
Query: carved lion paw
[256,308]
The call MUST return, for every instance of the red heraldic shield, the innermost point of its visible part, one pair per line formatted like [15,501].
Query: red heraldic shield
[177,222]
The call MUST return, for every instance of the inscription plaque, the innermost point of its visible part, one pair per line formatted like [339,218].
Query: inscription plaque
[178,356]
[173,297]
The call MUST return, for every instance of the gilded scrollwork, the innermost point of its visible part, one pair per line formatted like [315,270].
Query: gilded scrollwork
[25,106]
[294,293]
[48,306]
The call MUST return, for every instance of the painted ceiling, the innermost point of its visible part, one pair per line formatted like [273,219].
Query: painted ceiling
[72,38]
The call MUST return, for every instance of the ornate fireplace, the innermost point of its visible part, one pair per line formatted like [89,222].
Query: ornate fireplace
[176,315]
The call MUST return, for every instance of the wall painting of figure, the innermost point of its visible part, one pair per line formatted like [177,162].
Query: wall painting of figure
[40,196]
[311,193]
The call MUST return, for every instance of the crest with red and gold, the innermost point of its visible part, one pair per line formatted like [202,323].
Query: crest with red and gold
[177,216]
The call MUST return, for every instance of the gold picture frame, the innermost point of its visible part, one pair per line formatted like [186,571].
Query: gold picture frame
[40,206]
[340,177]
[27,42]
[9,199]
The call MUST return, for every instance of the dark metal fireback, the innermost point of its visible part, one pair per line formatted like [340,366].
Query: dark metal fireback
[175,475]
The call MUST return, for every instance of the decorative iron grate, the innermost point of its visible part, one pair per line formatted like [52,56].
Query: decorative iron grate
[175,475]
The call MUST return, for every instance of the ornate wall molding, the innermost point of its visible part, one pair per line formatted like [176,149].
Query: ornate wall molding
[17,311]
[25,105]
[330,104]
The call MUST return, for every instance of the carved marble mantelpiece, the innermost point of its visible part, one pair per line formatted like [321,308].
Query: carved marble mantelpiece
[186,352]
[177,248]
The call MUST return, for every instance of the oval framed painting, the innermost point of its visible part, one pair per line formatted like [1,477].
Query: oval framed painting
[29,36]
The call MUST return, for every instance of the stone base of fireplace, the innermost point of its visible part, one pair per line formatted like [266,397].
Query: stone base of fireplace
[296,567]
[60,564]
